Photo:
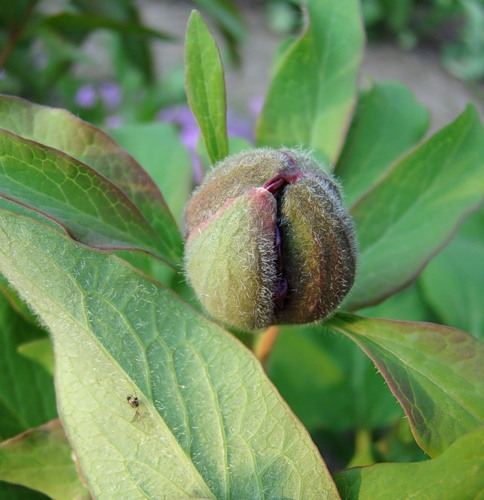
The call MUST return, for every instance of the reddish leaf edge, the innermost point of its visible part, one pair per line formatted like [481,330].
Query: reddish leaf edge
[121,193]
[351,318]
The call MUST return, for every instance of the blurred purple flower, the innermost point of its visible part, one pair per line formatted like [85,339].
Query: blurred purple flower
[190,132]
[110,94]
[86,96]
[255,105]
[2,73]
[114,121]
[239,127]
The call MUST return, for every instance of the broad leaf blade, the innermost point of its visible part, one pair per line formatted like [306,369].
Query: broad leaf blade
[388,121]
[209,424]
[457,473]
[406,218]
[61,130]
[435,372]
[41,459]
[91,208]
[311,97]
[157,148]
[26,390]
[452,282]
[205,87]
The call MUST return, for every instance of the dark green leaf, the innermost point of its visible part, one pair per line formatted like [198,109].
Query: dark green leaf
[60,129]
[205,87]
[91,208]
[15,492]
[435,372]
[413,211]
[388,121]
[311,97]
[26,389]
[407,305]
[452,282]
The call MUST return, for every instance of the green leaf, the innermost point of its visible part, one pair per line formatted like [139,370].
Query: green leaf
[13,298]
[457,473]
[388,121]
[205,87]
[15,492]
[407,305]
[158,150]
[311,366]
[41,459]
[414,210]
[208,423]
[435,372]
[61,130]
[40,351]
[452,282]
[90,207]
[311,97]
[26,389]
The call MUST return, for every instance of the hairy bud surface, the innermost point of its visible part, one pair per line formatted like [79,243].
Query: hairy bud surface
[268,240]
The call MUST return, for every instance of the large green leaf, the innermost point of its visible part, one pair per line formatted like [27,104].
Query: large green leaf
[312,94]
[407,305]
[61,130]
[26,389]
[388,121]
[208,423]
[453,281]
[157,148]
[456,474]
[435,372]
[91,208]
[413,211]
[41,459]
[205,87]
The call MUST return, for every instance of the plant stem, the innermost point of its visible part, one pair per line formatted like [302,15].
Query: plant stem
[265,343]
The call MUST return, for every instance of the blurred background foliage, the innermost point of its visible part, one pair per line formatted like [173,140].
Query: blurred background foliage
[44,42]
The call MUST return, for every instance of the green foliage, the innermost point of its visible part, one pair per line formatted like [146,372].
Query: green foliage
[89,243]
[441,477]
[311,97]
[205,86]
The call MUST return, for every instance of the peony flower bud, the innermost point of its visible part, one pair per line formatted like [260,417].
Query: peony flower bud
[268,240]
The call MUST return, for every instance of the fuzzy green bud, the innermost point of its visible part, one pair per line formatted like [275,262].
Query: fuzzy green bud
[268,240]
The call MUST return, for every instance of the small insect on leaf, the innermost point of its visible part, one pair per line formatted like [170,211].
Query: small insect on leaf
[133,401]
